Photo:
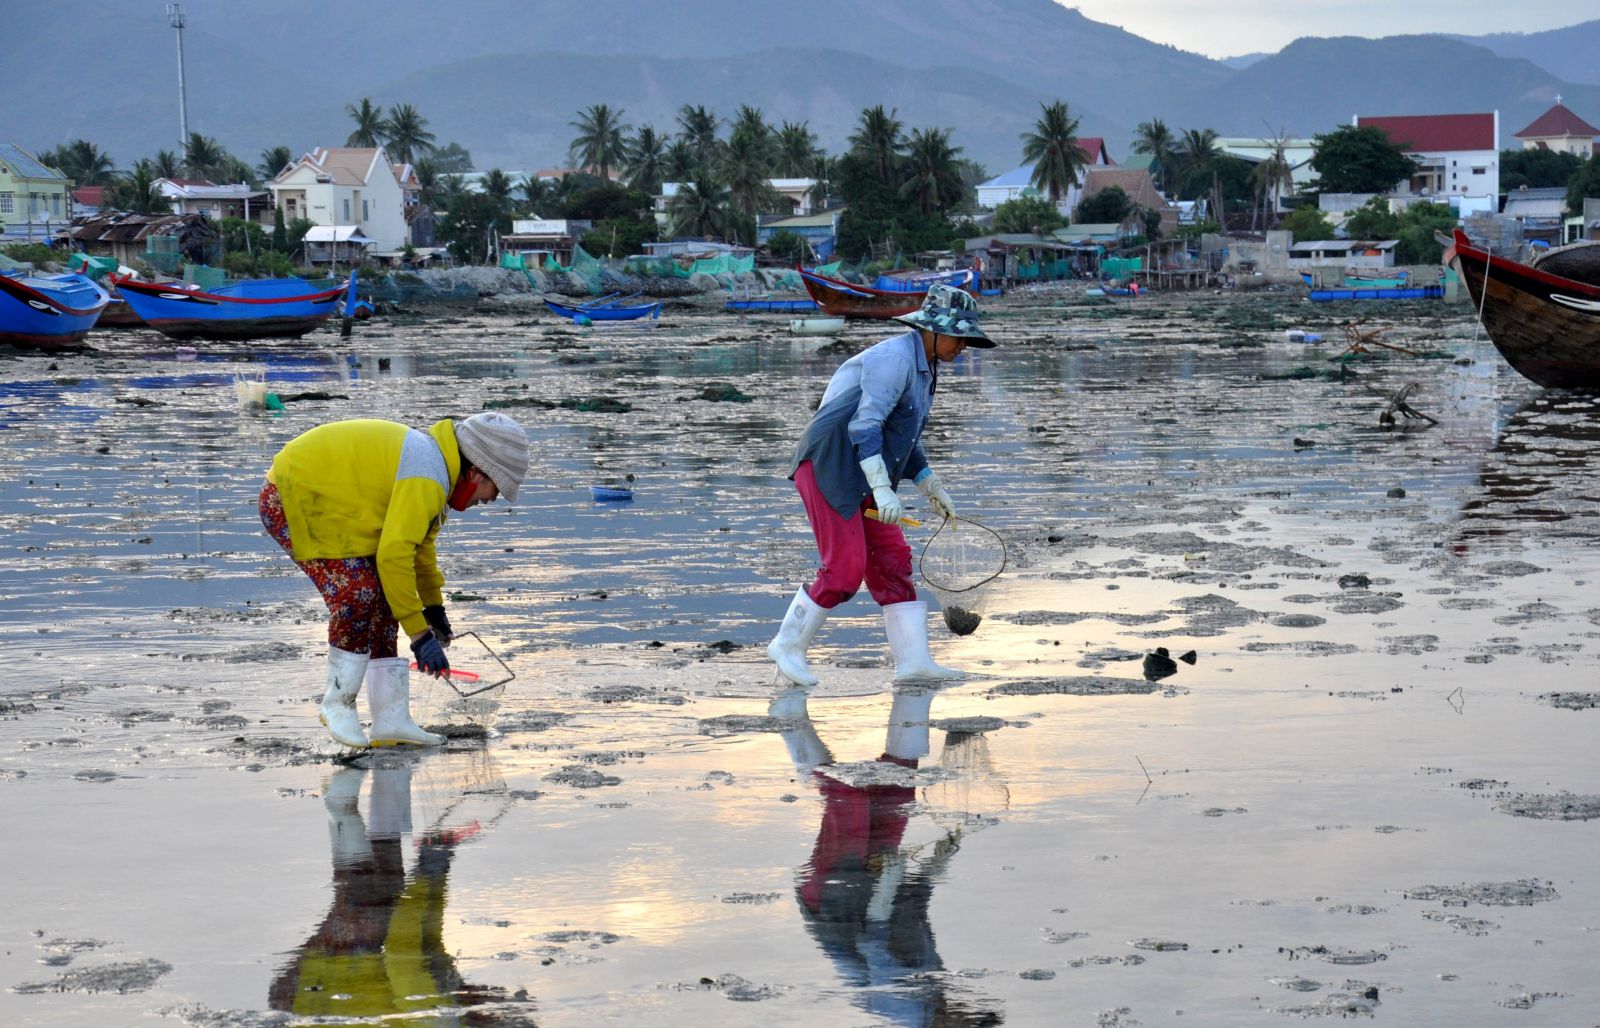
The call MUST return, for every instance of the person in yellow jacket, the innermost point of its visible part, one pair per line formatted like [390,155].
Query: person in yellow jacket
[358,505]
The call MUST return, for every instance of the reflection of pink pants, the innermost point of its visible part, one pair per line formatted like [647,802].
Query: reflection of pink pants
[853,550]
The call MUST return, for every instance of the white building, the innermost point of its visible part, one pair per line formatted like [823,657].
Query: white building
[1458,155]
[348,187]
[1297,153]
[199,196]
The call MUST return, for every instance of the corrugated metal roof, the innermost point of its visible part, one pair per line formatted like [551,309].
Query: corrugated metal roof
[22,163]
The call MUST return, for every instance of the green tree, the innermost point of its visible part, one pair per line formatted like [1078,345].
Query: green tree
[1107,207]
[680,163]
[1372,220]
[497,185]
[1585,184]
[369,124]
[1156,140]
[535,193]
[1027,214]
[136,192]
[280,231]
[406,136]
[82,162]
[743,167]
[933,180]
[165,164]
[1359,159]
[877,141]
[788,245]
[599,142]
[1194,162]
[428,184]
[878,221]
[645,160]
[273,160]
[1418,224]
[751,124]
[619,237]
[797,150]
[203,156]
[1537,169]
[1307,222]
[1052,146]
[702,209]
[469,225]
[697,126]
[601,201]
[1272,177]
[452,159]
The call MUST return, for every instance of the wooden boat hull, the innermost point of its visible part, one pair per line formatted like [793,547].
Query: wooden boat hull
[1545,326]
[844,300]
[572,311]
[264,309]
[49,312]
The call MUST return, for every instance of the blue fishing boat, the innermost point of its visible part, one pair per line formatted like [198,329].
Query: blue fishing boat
[1380,293]
[605,312]
[48,312]
[251,309]
[778,306]
[919,281]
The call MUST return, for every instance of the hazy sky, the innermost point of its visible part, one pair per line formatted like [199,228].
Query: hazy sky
[1226,28]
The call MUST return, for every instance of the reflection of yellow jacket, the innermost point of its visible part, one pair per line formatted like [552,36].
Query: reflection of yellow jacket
[372,488]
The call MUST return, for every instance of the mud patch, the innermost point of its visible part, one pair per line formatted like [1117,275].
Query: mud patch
[251,654]
[122,978]
[1078,685]
[530,721]
[862,774]
[737,724]
[1159,945]
[1524,892]
[580,777]
[1571,700]
[634,694]
[1558,807]
[1460,922]
[976,725]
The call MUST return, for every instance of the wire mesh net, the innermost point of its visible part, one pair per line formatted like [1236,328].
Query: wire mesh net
[959,562]
[464,705]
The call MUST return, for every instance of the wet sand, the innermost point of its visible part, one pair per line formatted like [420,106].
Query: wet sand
[1374,793]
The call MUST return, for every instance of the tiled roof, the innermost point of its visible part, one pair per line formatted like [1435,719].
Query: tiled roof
[89,196]
[1136,182]
[22,163]
[1436,133]
[1558,121]
[1095,147]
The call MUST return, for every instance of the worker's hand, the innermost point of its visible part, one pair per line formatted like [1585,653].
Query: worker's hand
[430,655]
[890,510]
[928,482]
[435,616]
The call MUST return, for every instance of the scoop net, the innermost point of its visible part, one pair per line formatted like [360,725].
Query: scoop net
[463,705]
[959,563]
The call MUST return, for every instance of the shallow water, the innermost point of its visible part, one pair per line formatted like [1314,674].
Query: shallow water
[1374,792]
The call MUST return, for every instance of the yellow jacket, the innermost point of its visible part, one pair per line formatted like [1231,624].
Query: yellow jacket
[370,488]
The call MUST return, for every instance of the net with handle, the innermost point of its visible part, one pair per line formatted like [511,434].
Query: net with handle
[959,563]
[462,705]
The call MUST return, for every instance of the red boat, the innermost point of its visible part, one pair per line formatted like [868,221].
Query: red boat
[847,300]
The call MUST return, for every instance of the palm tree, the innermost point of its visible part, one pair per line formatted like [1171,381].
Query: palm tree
[645,161]
[1272,176]
[752,124]
[84,163]
[1053,148]
[877,141]
[369,124]
[202,156]
[535,191]
[698,125]
[429,182]
[165,164]
[824,169]
[700,208]
[599,141]
[743,167]
[1154,138]
[1197,148]
[935,182]
[796,151]
[232,169]
[406,134]
[497,184]
[136,192]
[680,163]
[273,160]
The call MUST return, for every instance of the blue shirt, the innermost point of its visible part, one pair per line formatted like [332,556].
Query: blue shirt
[876,403]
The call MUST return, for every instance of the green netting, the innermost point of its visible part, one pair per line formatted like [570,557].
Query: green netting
[204,276]
[513,261]
[1121,267]
[831,270]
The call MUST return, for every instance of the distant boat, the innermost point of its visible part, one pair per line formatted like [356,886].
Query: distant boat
[780,306]
[846,300]
[250,309]
[606,312]
[1544,318]
[49,312]
[1377,293]
[919,280]
[1359,281]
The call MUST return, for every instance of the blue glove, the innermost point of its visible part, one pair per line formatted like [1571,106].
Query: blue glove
[434,614]
[430,655]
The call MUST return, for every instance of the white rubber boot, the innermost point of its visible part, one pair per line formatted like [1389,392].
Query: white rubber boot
[347,833]
[907,738]
[389,696]
[389,805]
[345,671]
[906,625]
[806,748]
[788,648]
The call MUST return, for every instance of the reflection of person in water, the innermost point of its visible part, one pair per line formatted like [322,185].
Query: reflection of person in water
[865,892]
[381,949]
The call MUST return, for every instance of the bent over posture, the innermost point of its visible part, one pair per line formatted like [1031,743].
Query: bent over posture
[358,505]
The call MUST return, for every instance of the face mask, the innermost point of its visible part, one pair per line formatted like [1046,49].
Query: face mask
[461,495]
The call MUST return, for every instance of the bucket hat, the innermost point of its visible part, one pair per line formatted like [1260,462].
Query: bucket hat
[950,312]
[497,446]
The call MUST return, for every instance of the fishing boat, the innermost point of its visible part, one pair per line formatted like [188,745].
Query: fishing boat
[117,313]
[1359,281]
[49,312]
[919,280]
[842,299]
[605,312]
[1544,318]
[249,309]
[1432,292]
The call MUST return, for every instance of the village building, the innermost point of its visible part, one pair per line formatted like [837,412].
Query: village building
[537,240]
[1458,158]
[1297,153]
[164,241]
[349,187]
[1560,130]
[1341,253]
[1542,213]
[1140,189]
[34,198]
[87,200]
[1018,182]
[820,230]
[200,196]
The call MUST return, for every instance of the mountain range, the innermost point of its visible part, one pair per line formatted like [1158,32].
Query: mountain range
[505,78]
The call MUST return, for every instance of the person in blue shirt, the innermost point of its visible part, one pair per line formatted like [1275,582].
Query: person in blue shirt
[865,438]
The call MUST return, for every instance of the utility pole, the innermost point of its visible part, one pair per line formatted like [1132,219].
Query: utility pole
[175,19]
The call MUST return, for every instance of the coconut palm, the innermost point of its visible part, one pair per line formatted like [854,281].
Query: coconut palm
[1196,150]
[84,163]
[935,182]
[273,160]
[645,161]
[796,150]
[428,184]
[406,135]
[136,192]
[743,166]
[165,164]
[877,140]
[599,143]
[824,169]
[497,184]
[535,192]
[369,124]
[698,125]
[1272,177]
[202,156]
[680,163]
[1155,139]
[232,169]
[751,123]
[700,208]
[1052,146]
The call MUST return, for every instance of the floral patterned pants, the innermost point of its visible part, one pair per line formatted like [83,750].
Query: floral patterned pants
[359,619]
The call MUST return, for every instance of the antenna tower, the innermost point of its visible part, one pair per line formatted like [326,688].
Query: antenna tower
[175,19]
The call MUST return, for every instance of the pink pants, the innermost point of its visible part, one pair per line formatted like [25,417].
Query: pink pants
[853,550]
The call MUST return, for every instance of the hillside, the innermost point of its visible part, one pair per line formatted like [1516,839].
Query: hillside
[1567,53]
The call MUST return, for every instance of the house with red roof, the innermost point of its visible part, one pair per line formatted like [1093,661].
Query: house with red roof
[1560,130]
[1458,155]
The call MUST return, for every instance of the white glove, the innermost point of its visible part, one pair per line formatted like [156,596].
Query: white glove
[928,482]
[889,507]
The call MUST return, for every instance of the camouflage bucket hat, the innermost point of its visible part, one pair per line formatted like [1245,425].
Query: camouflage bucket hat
[950,312]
